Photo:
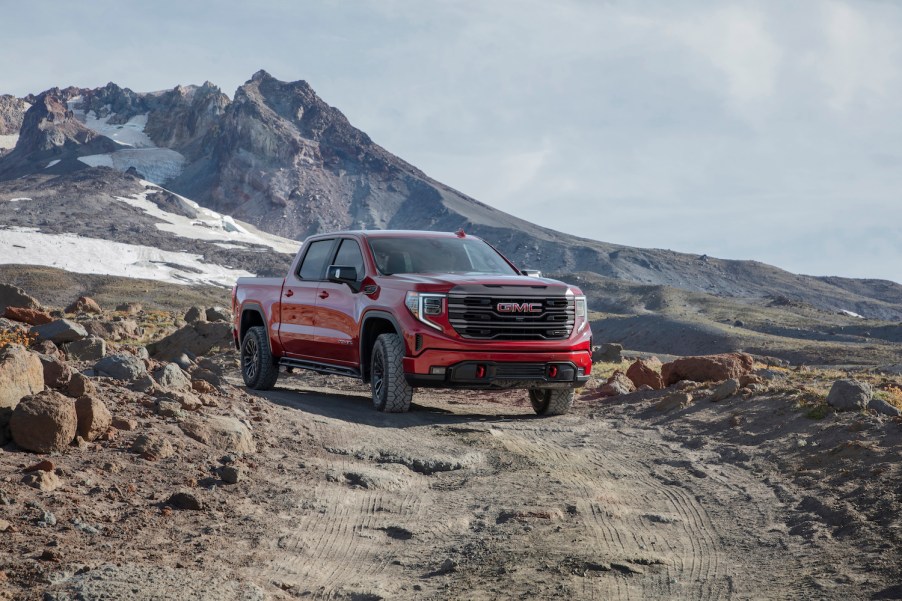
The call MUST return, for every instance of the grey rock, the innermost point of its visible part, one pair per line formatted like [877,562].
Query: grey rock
[144,383]
[121,366]
[218,314]
[849,395]
[159,448]
[881,406]
[894,369]
[169,408]
[219,432]
[183,361]
[231,474]
[608,352]
[724,390]
[91,348]
[195,314]
[194,340]
[141,352]
[172,377]
[60,331]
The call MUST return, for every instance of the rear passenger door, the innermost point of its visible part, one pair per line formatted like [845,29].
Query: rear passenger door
[297,329]
[338,310]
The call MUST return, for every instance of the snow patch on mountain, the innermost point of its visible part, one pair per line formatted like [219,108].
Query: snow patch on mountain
[91,255]
[208,225]
[8,141]
[158,165]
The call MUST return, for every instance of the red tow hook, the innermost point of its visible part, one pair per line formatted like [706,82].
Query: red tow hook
[480,371]
[552,372]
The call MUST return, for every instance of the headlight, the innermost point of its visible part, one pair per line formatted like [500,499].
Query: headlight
[423,306]
[582,313]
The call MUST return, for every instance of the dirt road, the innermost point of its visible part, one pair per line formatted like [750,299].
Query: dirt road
[469,496]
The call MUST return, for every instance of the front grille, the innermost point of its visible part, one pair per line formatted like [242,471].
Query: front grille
[477,317]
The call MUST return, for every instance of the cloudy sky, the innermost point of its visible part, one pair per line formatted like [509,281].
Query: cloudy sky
[747,130]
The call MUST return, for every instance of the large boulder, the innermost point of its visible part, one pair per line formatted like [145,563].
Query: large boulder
[707,368]
[121,366]
[172,377]
[60,331]
[21,374]
[881,406]
[44,423]
[223,433]
[11,296]
[194,339]
[84,304]
[94,418]
[33,317]
[91,348]
[646,372]
[849,395]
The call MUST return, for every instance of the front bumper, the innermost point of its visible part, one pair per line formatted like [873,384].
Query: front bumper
[448,369]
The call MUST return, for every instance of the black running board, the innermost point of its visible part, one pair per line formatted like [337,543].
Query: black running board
[320,368]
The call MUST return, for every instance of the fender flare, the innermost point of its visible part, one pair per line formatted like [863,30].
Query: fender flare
[375,314]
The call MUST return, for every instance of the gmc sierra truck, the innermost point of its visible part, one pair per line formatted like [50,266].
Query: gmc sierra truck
[404,309]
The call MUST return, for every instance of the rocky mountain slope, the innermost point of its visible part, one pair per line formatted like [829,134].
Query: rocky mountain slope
[279,157]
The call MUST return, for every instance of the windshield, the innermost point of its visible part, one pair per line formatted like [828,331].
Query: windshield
[437,255]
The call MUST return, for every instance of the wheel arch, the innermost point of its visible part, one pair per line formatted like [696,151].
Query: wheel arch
[374,323]
[251,315]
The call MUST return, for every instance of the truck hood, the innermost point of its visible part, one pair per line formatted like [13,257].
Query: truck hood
[479,283]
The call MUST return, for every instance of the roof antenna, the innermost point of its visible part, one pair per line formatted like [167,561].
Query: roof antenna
[461,233]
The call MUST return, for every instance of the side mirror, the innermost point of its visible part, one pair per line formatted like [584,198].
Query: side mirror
[343,274]
[533,273]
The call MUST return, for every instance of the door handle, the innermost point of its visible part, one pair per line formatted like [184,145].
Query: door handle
[289,292]
[323,294]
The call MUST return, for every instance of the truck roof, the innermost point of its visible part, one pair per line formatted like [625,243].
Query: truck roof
[391,234]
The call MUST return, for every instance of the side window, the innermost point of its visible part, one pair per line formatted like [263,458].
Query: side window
[313,264]
[349,254]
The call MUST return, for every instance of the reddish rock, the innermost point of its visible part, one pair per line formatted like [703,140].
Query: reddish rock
[125,424]
[56,373]
[707,368]
[84,304]
[80,385]
[646,372]
[617,384]
[94,418]
[202,386]
[33,317]
[44,422]
[749,379]
[40,466]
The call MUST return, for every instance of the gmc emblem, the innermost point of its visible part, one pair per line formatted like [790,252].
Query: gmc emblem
[519,307]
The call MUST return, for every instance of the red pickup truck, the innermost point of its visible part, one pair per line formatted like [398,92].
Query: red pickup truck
[405,309]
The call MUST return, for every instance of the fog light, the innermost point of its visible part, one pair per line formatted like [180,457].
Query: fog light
[437,371]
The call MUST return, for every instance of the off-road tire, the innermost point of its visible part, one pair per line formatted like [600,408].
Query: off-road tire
[391,392]
[258,368]
[551,401]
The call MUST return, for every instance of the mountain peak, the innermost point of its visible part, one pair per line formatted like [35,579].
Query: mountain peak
[260,75]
